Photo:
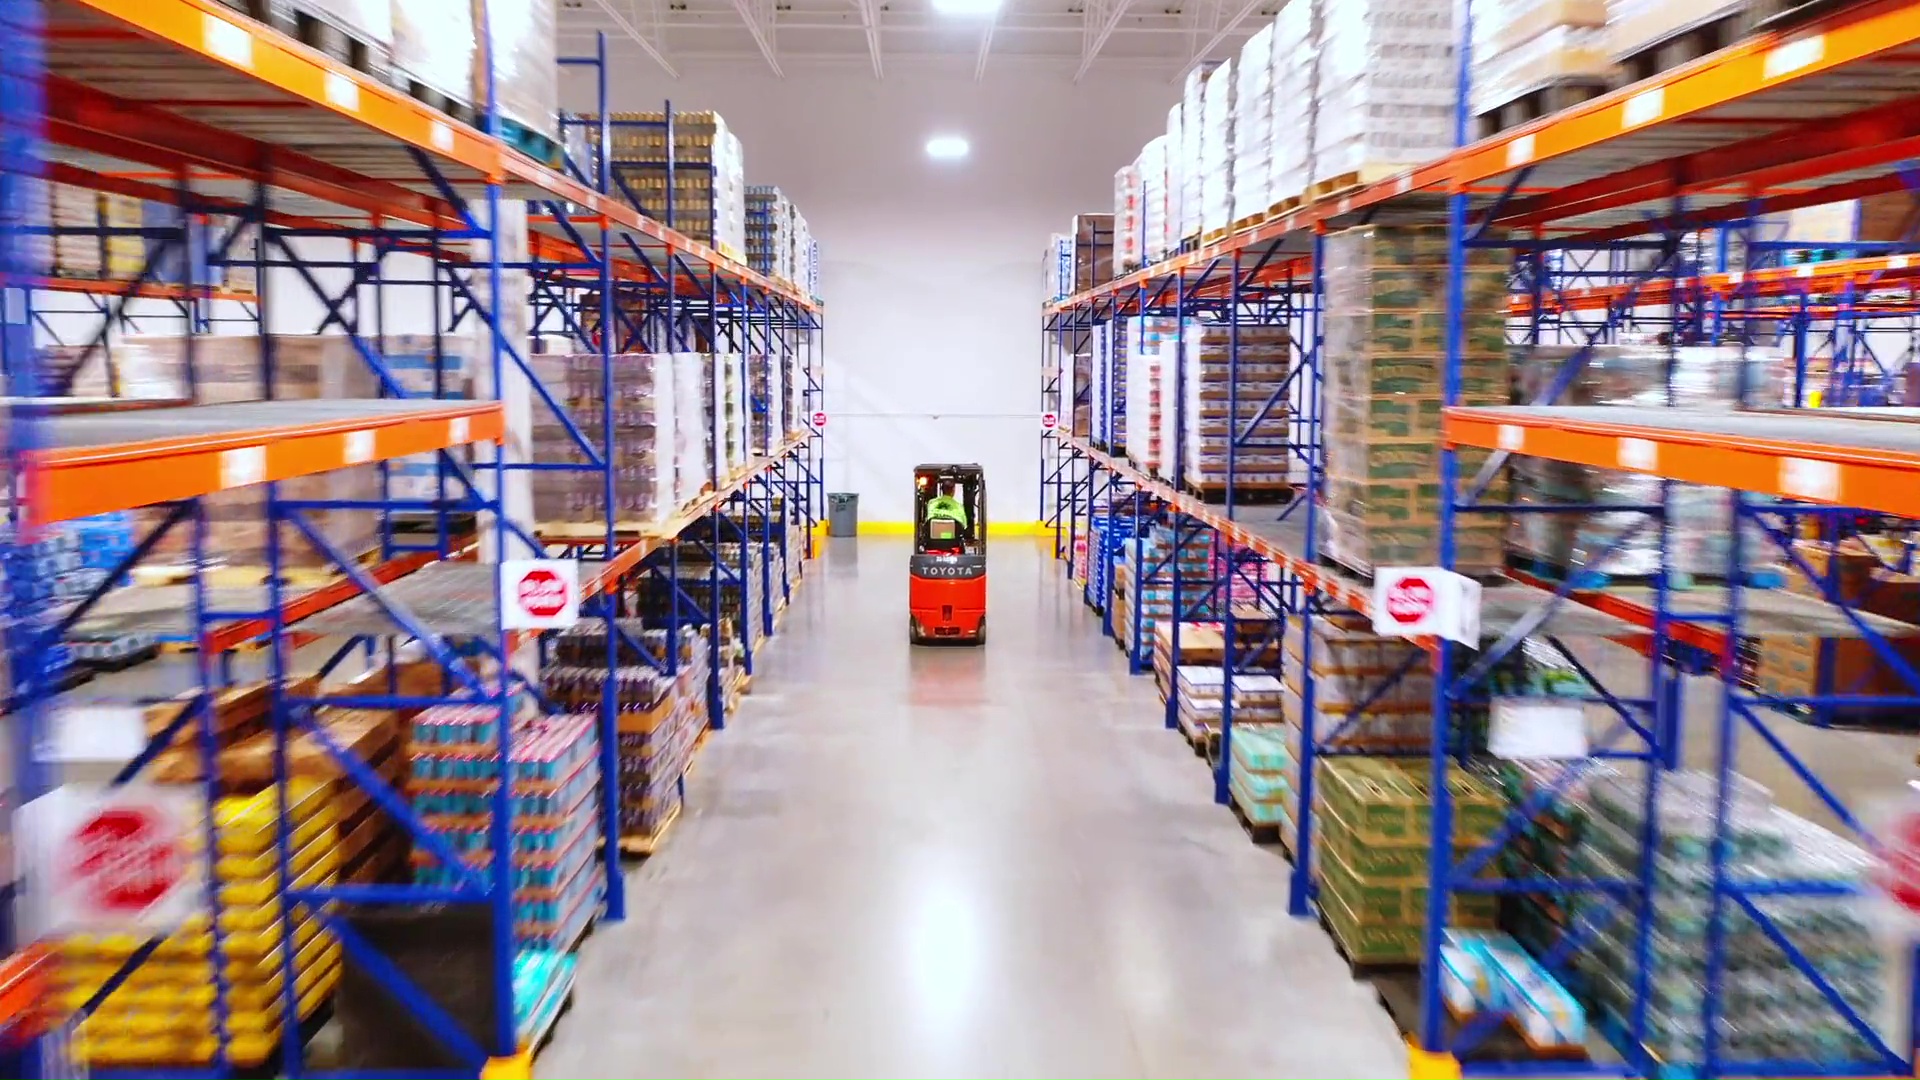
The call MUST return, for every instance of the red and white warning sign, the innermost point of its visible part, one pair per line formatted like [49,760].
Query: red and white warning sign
[108,859]
[1898,873]
[539,594]
[1426,601]
[1049,422]
[819,418]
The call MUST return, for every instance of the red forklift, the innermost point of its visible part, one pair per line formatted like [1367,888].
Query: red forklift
[947,585]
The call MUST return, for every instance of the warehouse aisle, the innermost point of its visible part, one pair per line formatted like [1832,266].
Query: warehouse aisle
[959,863]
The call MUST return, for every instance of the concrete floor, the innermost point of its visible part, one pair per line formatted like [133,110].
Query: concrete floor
[996,862]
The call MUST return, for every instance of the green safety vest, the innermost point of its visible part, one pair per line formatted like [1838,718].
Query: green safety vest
[946,506]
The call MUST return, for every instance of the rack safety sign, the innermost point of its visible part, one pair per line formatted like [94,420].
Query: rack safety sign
[539,594]
[1049,422]
[1426,601]
[819,418]
[110,859]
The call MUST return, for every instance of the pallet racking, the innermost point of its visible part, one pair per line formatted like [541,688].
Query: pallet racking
[1640,210]
[190,105]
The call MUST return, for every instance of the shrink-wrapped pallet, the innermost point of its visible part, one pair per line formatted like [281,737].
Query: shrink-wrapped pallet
[1634,26]
[1252,152]
[1056,268]
[1092,250]
[1295,65]
[1385,90]
[1166,389]
[1234,402]
[694,459]
[1699,519]
[769,232]
[434,44]
[424,366]
[708,203]
[1384,358]
[1216,150]
[1520,46]
[1190,166]
[1148,342]
[1157,196]
[526,65]
[642,429]
[1126,218]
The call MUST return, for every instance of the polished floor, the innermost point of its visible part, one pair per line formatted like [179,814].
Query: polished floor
[997,862]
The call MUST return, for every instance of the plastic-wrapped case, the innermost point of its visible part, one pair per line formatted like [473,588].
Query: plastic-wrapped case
[434,44]
[1385,89]
[1127,189]
[1216,150]
[1295,64]
[1252,145]
[1523,45]
[1224,397]
[1383,357]
[1700,523]
[526,62]
[1157,196]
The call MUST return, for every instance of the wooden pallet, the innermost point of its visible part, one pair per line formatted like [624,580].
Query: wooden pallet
[1245,493]
[1365,970]
[314,30]
[1683,45]
[645,847]
[1263,834]
[1350,181]
[1539,102]
[1399,994]
[1284,207]
[1215,236]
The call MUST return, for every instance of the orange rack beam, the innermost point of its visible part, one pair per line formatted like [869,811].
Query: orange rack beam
[23,990]
[1839,460]
[1797,151]
[1883,272]
[101,463]
[305,79]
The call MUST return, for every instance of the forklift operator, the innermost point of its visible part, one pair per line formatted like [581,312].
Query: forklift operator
[946,506]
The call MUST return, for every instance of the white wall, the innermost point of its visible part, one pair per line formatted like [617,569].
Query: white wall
[930,271]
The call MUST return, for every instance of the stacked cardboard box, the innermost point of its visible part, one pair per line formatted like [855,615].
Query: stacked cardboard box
[1235,382]
[1523,45]
[1149,349]
[426,367]
[1373,818]
[643,425]
[1296,66]
[1155,594]
[1203,694]
[1385,351]
[1853,575]
[1252,152]
[1216,150]
[229,369]
[1352,665]
[1093,248]
[166,1012]
[709,194]
[1260,775]
[1385,90]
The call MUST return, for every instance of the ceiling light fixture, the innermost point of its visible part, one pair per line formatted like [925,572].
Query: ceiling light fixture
[966,7]
[947,148]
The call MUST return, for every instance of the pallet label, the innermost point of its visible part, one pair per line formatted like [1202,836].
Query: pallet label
[1786,59]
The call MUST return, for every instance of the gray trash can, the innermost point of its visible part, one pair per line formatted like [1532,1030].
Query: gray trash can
[843,513]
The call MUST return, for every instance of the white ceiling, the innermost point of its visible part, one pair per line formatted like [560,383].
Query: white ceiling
[1078,37]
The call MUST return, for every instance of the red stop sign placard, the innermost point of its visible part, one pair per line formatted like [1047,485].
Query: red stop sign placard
[1899,873]
[125,859]
[542,593]
[1410,600]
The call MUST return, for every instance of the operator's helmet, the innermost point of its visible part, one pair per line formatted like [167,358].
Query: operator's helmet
[946,488]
